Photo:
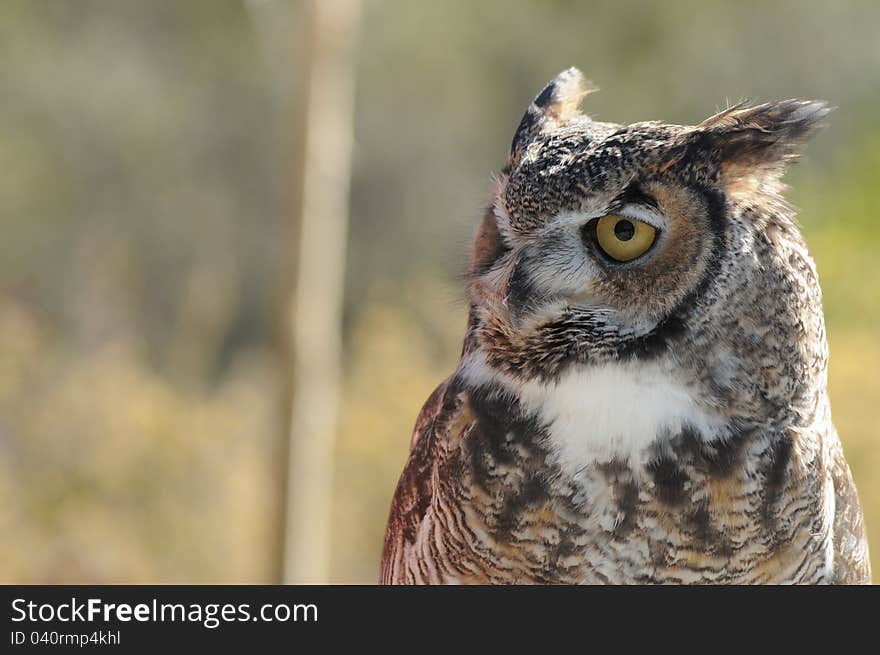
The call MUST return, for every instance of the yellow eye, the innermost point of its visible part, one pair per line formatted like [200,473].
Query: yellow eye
[623,238]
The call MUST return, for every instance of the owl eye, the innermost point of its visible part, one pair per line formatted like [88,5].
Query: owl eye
[623,238]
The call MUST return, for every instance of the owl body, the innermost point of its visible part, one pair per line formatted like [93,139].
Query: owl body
[641,396]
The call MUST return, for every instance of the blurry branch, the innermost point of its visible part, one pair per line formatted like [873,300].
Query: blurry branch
[316,241]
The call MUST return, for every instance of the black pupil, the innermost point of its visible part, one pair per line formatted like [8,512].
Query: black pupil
[624,230]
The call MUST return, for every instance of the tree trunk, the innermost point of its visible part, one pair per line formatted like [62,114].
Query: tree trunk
[313,316]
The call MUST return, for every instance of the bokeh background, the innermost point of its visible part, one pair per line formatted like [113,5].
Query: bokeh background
[145,175]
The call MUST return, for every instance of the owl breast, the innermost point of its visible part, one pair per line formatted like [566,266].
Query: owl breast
[561,493]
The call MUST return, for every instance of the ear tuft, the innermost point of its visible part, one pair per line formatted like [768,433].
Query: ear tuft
[557,102]
[564,94]
[764,136]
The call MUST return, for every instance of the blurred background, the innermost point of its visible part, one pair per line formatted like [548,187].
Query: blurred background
[162,290]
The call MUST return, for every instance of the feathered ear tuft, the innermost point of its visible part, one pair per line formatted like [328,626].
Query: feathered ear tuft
[557,102]
[763,137]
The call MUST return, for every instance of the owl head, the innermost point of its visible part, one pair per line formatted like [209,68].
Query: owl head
[606,241]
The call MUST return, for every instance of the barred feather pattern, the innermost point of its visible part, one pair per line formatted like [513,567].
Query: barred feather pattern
[492,510]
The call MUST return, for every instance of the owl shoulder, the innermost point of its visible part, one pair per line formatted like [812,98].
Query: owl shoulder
[441,414]
[851,561]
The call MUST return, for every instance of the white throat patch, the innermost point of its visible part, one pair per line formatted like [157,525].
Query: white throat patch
[600,413]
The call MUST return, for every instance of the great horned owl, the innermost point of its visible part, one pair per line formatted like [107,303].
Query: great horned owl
[641,396]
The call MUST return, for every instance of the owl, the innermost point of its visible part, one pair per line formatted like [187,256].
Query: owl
[641,396]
